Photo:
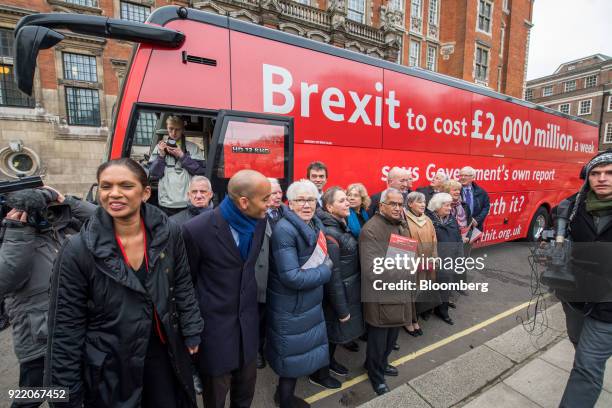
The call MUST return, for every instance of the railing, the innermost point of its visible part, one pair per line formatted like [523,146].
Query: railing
[304,12]
[365,31]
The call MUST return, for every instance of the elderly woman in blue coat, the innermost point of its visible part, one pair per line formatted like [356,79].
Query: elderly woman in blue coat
[297,338]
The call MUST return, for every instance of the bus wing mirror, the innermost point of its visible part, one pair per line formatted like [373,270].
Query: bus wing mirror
[28,41]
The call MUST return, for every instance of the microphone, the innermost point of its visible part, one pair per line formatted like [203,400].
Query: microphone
[563,213]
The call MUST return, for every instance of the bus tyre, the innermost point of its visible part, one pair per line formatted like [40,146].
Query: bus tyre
[540,220]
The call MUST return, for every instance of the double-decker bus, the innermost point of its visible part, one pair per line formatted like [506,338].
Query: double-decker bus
[258,98]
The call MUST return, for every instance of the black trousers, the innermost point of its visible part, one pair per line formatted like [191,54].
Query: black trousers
[323,372]
[240,383]
[286,391]
[160,386]
[30,375]
[261,308]
[380,345]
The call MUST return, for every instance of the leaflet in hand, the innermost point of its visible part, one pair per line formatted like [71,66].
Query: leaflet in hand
[318,255]
[403,247]
[474,236]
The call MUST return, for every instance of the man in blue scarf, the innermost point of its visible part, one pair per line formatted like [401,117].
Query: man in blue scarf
[222,249]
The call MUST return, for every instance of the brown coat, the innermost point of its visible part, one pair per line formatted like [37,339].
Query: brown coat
[391,308]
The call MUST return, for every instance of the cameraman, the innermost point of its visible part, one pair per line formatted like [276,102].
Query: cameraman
[34,229]
[173,162]
[588,309]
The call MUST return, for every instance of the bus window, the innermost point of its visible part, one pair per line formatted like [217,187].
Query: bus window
[243,140]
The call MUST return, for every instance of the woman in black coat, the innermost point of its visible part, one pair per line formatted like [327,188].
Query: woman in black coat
[123,318]
[342,298]
[450,245]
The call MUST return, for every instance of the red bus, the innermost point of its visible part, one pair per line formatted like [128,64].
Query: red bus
[259,98]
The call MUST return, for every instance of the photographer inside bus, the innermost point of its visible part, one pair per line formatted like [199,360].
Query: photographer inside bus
[589,324]
[39,222]
[173,162]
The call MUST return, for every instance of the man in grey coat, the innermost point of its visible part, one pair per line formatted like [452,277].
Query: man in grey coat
[262,266]
[26,262]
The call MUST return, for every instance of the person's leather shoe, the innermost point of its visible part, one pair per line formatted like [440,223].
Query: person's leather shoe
[391,371]
[329,382]
[351,346]
[381,389]
[396,347]
[413,333]
[261,361]
[445,319]
[419,331]
[337,368]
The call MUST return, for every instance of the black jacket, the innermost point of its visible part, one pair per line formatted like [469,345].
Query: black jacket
[591,263]
[227,292]
[101,316]
[428,191]
[343,291]
[187,214]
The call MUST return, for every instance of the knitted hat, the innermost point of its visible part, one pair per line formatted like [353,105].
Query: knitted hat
[600,159]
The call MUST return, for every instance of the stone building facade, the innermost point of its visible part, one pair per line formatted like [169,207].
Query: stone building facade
[62,131]
[581,88]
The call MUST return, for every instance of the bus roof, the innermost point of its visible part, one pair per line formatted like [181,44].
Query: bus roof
[164,15]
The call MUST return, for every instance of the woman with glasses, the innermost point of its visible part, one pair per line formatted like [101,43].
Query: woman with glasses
[421,229]
[360,202]
[450,245]
[297,336]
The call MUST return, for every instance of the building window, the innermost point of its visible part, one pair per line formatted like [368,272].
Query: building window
[416,9]
[79,67]
[305,2]
[608,136]
[485,11]
[547,91]
[134,12]
[87,3]
[590,81]
[570,86]
[610,104]
[571,68]
[481,64]
[396,5]
[356,10]
[145,128]
[585,107]
[431,57]
[529,94]
[564,108]
[415,53]
[83,106]
[433,12]
[506,7]
[9,94]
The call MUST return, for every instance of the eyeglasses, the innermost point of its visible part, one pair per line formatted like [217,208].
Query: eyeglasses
[394,205]
[303,201]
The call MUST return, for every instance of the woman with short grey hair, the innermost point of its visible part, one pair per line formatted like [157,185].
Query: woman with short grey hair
[449,245]
[296,333]
[421,229]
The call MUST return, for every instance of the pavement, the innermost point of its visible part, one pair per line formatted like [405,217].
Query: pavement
[515,369]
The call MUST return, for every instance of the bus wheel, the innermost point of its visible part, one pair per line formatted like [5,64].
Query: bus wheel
[539,222]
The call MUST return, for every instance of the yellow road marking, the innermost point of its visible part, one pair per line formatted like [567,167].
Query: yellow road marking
[360,378]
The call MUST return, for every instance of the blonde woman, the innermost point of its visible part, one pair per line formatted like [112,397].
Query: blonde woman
[359,202]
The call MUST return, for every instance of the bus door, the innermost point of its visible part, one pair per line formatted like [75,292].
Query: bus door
[247,140]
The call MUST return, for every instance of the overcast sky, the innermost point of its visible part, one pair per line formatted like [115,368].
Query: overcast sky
[565,30]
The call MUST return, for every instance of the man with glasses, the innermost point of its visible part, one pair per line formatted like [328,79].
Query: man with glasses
[384,312]
[474,196]
[262,266]
[397,178]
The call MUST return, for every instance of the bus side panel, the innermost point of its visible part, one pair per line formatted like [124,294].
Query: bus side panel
[516,187]
[322,92]
[586,141]
[132,85]
[170,81]
[429,117]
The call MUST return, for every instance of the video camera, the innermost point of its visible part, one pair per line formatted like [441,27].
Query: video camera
[24,195]
[554,252]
